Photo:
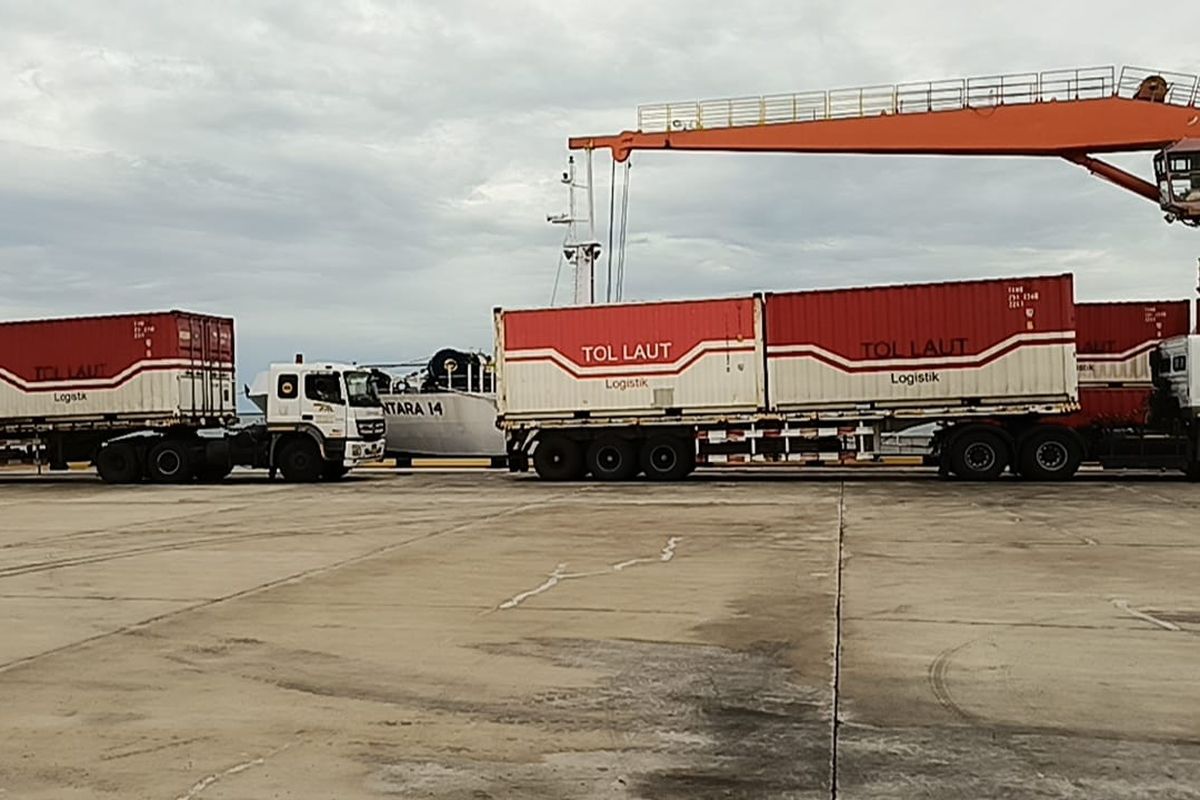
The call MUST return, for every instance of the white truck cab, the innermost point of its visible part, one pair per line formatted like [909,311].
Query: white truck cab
[321,418]
[1176,367]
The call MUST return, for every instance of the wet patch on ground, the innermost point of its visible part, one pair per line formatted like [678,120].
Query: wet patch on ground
[726,723]
[952,762]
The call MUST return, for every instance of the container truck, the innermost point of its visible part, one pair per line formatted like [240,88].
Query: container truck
[152,397]
[815,377]
[1116,344]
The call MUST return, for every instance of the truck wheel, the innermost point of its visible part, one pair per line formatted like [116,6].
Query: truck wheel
[169,462]
[334,471]
[978,455]
[611,458]
[557,458]
[1050,454]
[300,461]
[119,463]
[667,458]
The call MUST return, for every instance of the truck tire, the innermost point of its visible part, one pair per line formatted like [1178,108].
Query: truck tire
[169,462]
[558,458]
[667,458]
[1050,454]
[611,458]
[300,461]
[334,471]
[978,455]
[119,463]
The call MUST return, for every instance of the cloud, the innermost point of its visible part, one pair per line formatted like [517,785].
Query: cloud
[367,180]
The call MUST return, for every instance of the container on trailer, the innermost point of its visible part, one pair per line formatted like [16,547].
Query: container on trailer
[1111,407]
[646,359]
[1114,340]
[923,348]
[158,368]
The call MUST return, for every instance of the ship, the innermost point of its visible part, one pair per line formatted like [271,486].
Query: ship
[442,408]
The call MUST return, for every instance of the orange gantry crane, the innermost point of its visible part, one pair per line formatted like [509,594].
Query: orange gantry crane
[1072,114]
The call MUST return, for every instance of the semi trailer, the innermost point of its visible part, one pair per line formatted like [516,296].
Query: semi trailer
[819,377]
[152,397]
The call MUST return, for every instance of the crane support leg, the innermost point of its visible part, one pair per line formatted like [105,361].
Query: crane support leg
[1116,175]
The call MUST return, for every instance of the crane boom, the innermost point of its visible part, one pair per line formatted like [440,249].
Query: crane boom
[1111,125]
[1070,114]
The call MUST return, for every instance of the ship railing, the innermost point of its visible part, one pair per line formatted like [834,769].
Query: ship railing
[477,380]
[989,91]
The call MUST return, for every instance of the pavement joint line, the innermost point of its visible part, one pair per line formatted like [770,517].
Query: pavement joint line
[835,722]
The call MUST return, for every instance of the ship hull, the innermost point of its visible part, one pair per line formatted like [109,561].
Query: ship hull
[442,424]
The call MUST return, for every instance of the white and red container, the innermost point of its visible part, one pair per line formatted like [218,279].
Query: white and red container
[1114,340]
[701,356]
[902,348]
[945,344]
[158,368]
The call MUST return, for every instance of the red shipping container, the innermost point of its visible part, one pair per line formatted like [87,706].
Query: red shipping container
[1114,340]
[155,365]
[639,359]
[1125,406]
[931,345]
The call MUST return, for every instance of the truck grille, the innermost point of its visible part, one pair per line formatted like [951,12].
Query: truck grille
[370,429]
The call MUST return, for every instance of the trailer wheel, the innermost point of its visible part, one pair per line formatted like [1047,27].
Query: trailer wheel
[300,461]
[558,458]
[334,471]
[169,462]
[667,458]
[1050,454]
[119,463]
[978,455]
[611,458]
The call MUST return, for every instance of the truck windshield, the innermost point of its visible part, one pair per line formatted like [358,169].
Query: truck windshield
[360,389]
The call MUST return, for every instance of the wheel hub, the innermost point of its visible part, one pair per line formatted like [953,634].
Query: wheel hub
[168,463]
[609,458]
[980,457]
[1051,456]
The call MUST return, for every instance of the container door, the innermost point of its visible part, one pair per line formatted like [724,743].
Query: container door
[188,340]
[212,367]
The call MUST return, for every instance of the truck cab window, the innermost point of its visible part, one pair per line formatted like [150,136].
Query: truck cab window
[361,389]
[323,387]
[288,387]
[1180,364]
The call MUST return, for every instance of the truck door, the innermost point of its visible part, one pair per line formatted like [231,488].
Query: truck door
[325,403]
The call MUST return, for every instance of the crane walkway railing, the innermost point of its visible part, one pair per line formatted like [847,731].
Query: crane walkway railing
[1086,83]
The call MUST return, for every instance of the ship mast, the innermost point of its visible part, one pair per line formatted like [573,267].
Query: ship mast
[580,246]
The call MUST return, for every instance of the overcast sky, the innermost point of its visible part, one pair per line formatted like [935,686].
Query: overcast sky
[366,180]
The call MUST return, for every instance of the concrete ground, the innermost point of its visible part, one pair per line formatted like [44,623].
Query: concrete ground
[472,635]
